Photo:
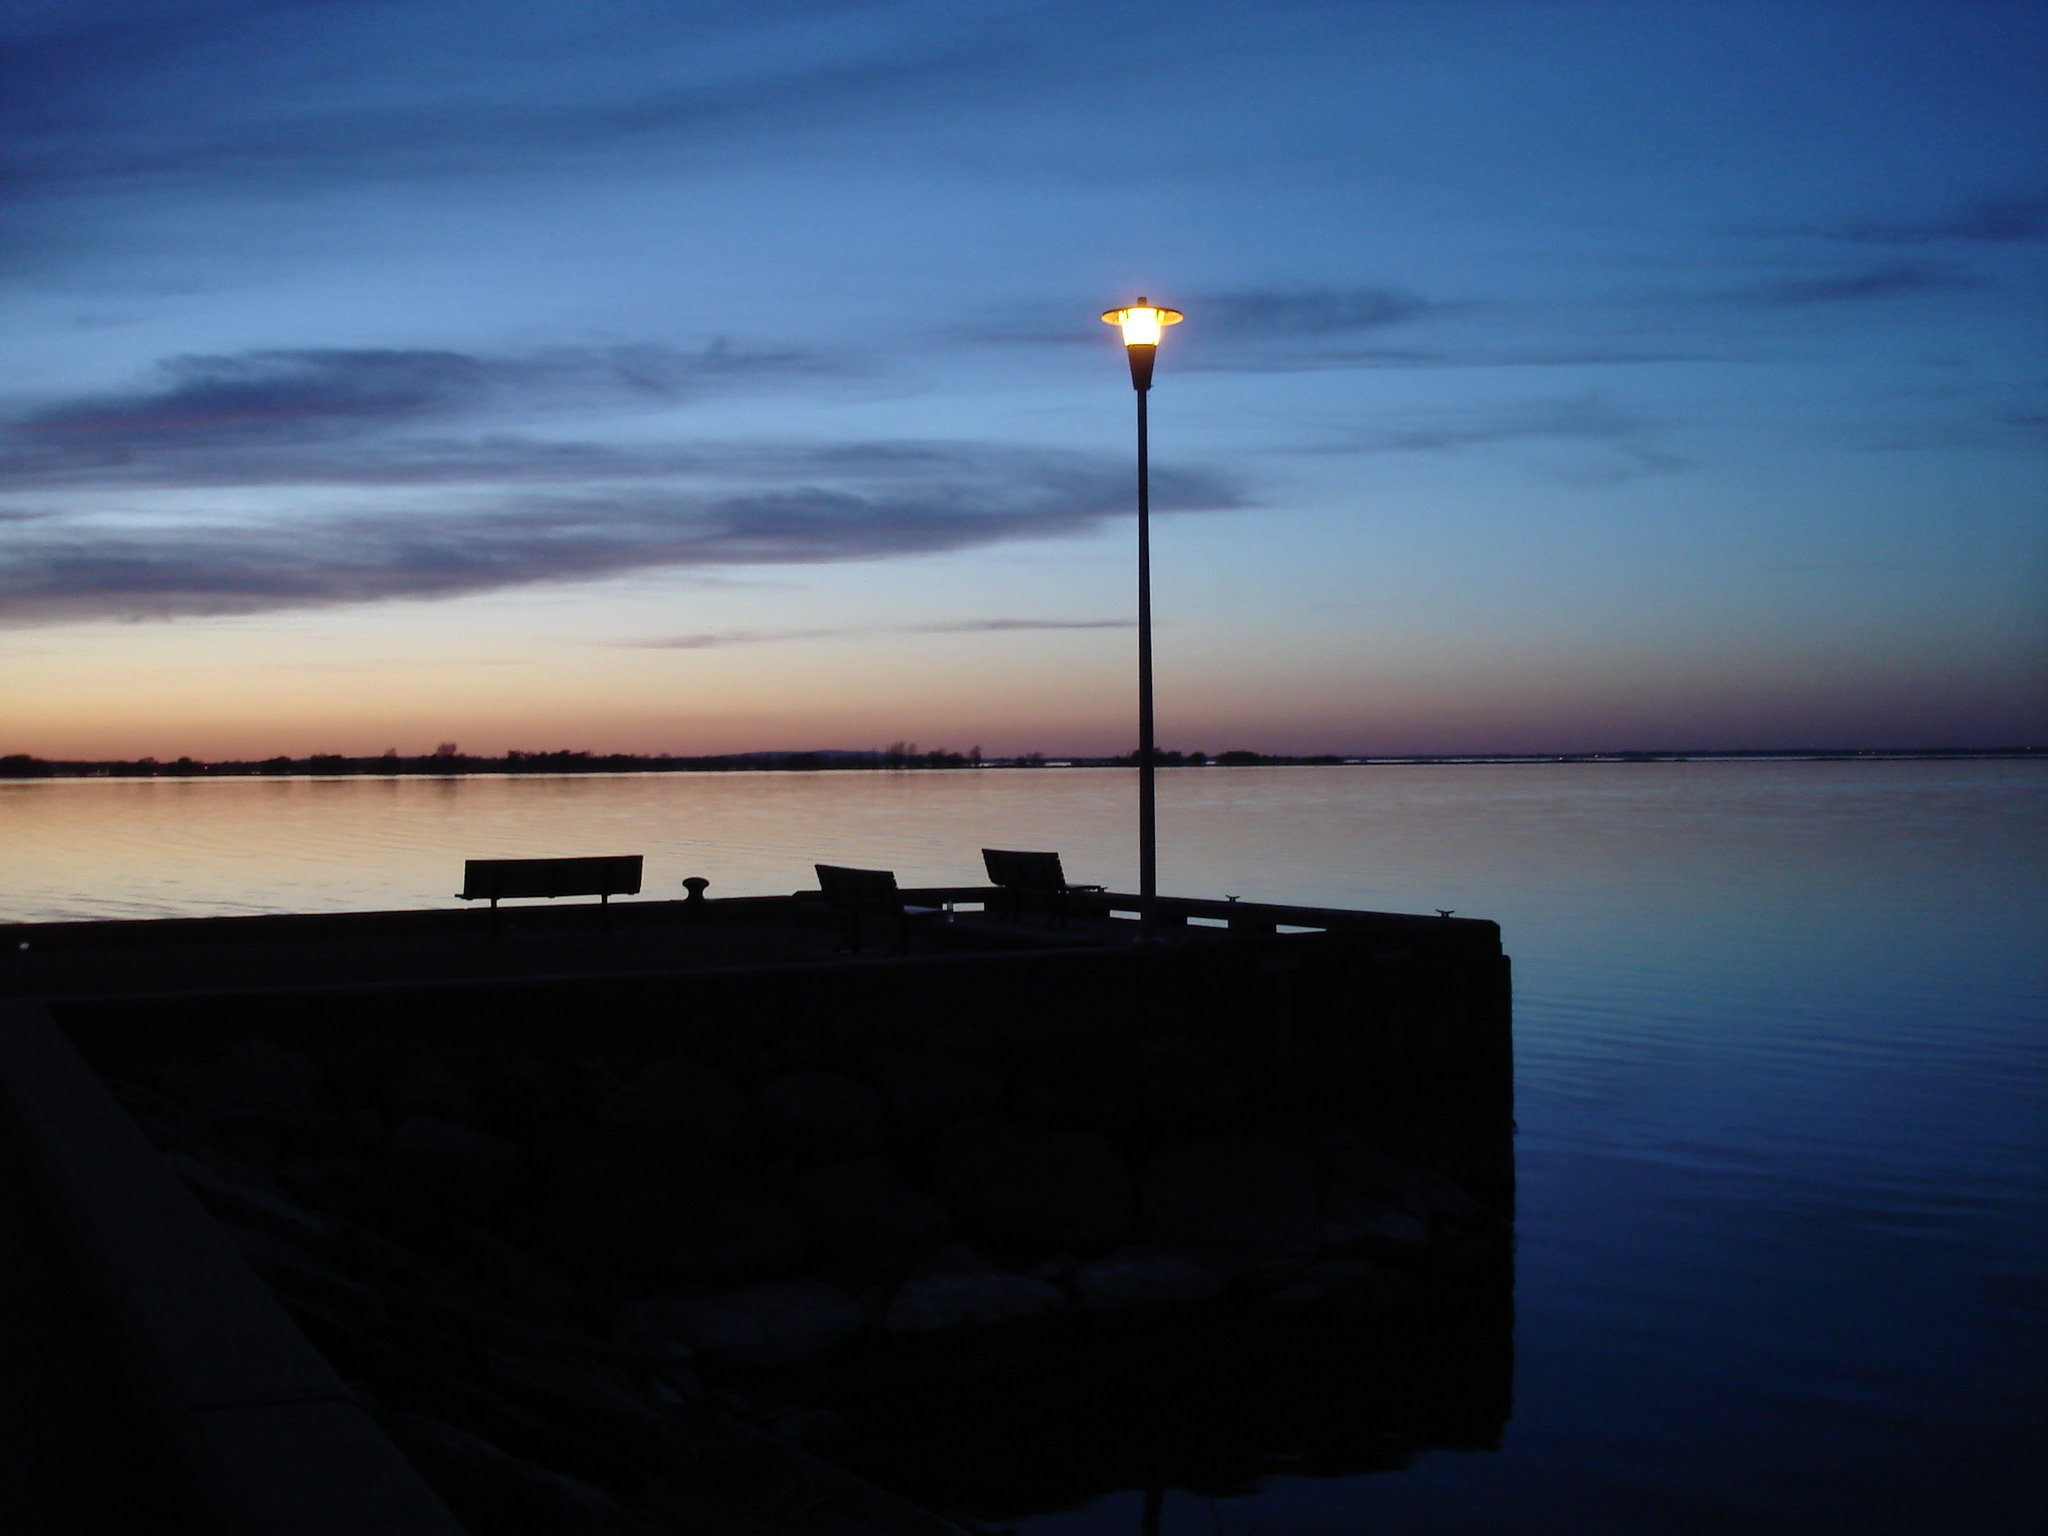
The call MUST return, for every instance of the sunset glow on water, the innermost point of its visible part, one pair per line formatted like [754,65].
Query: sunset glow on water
[1782,1056]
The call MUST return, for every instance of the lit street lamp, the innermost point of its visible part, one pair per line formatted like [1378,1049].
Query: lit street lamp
[1141,324]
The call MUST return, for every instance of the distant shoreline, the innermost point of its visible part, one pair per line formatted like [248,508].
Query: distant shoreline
[447,763]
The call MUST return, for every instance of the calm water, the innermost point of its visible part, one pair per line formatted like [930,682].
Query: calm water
[1782,1042]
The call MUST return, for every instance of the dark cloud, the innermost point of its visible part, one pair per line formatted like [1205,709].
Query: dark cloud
[263,397]
[1328,359]
[804,506]
[716,640]
[1988,221]
[204,410]
[712,641]
[267,95]
[2017,428]
[1321,330]
[1004,626]
[341,432]
[1222,329]
[1897,280]
[330,461]
[1631,439]
[1261,315]
[1831,567]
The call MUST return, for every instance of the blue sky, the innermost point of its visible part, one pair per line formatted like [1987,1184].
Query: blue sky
[636,376]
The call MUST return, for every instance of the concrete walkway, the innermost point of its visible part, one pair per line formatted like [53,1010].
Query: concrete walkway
[75,1441]
[59,961]
[127,1282]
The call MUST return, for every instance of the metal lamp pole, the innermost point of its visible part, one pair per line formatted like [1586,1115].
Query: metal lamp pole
[1141,325]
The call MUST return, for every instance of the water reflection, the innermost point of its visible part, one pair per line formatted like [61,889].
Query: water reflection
[1780,1066]
[1350,1384]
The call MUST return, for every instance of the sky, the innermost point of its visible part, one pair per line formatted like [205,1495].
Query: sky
[633,376]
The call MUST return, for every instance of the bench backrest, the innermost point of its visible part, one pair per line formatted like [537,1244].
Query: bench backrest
[859,890]
[497,879]
[1017,871]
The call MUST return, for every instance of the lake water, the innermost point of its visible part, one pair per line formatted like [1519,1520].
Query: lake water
[1782,1072]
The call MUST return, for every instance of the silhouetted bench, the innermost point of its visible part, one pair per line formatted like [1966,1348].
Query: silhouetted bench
[868,893]
[1025,876]
[496,880]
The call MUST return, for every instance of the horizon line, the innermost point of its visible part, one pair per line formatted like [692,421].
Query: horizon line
[901,757]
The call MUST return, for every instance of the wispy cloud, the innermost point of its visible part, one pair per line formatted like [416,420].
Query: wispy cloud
[1415,359]
[1892,281]
[1320,330]
[718,639]
[253,95]
[1003,626]
[206,419]
[1631,441]
[105,484]
[262,397]
[807,505]
[1231,323]
[1260,315]
[2018,428]
[2004,220]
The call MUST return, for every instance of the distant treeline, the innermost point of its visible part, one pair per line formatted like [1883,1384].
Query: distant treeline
[450,759]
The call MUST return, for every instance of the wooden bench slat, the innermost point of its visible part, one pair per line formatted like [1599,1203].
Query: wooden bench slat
[1026,873]
[868,892]
[603,876]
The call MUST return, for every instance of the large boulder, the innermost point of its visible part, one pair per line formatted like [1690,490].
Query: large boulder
[1449,1202]
[520,1094]
[720,1227]
[244,1196]
[1038,1187]
[679,1103]
[1143,1277]
[585,1398]
[1351,1161]
[490,1491]
[1183,1089]
[957,1288]
[487,1257]
[699,1223]
[929,1093]
[967,1042]
[1072,1076]
[429,1086]
[778,1322]
[1361,1225]
[1252,1193]
[864,1211]
[821,1116]
[463,1167]
[255,1079]
[1361,1279]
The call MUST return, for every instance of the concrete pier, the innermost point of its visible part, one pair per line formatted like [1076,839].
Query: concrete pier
[1251,1033]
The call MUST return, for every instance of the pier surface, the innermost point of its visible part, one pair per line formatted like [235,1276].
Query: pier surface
[176,956]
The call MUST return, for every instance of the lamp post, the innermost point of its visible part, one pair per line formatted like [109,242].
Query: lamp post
[1141,324]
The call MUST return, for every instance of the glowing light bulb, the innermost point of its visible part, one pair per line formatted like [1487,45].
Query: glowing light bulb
[1142,322]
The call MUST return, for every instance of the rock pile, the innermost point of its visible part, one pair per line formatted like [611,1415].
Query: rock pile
[582,1284]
